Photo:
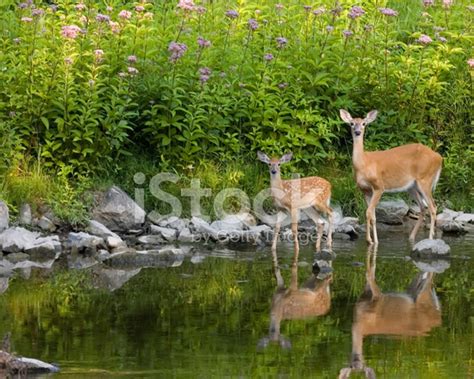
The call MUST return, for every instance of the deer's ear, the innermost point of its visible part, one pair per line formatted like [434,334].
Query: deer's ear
[286,158]
[345,115]
[371,116]
[263,157]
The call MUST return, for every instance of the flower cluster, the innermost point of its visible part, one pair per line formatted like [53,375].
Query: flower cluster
[470,62]
[319,11]
[388,12]
[424,39]
[102,17]
[186,5]
[177,51]
[355,12]
[428,3]
[232,14]
[447,3]
[125,15]
[204,74]
[253,24]
[70,31]
[268,57]
[281,42]
[203,42]
[347,33]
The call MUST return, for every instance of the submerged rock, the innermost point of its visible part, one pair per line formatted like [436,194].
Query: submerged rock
[453,227]
[147,258]
[391,212]
[113,279]
[84,243]
[118,211]
[428,248]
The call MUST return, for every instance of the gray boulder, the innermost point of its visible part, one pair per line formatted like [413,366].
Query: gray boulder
[17,257]
[168,234]
[118,211]
[4,216]
[453,227]
[187,237]
[147,258]
[113,279]
[84,243]
[431,248]
[446,216]
[467,218]
[17,239]
[391,212]
[437,266]
[200,226]
[112,239]
[25,217]
[173,222]
[45,224]
[44,248]
[151,239]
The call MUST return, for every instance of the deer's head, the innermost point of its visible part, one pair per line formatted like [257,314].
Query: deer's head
[274,163]
[357,124]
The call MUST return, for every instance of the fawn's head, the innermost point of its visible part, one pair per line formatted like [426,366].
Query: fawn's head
[274,163]
[357,124]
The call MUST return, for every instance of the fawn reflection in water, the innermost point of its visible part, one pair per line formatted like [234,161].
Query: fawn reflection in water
[411,313]
[312,299]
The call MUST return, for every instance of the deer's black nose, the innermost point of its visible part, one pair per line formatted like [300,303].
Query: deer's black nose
[273,172]
[357,132]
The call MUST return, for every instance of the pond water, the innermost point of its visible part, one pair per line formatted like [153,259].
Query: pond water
[210,317]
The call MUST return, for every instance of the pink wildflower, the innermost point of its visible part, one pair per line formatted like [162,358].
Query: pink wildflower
[139,8]
[26,19]
[424,39]
[70,31]
[186,5]
[125,15]
[132,59]
[470,62]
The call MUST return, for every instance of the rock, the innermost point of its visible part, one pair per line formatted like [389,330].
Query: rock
[79,261]
[167,233]
[467,218]
[445,216]
[4,216]
[453,227]
[391,212]
[197,258]
[151,239]
[16,239]
[438,266]
[45,224]
[4,284]
[17,257]
[431,248]
[84,243]
[341,236]
[174,222]
[186,236]
[113,279]
[98,229]
[123,249]
[202,227]
[45,248]
[118,211]
[30,366]
[102,255]
[151,258]
[114,242]
[24,217]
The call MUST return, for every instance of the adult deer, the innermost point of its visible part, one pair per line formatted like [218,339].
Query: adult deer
[293,303]
[313,193]
[412,168]
[411,313]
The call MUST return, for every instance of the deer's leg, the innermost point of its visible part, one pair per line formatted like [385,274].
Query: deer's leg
[368,198]
[425,191]
[314,214]
[276,231]
[418,198]
[294,229]
[328,211]
[370,214]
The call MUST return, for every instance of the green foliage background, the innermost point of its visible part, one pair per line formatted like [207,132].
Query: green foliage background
[79,113]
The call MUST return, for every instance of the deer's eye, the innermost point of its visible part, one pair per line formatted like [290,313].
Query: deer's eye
[362,124]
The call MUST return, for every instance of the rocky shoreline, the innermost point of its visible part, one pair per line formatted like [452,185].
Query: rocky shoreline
[120,234]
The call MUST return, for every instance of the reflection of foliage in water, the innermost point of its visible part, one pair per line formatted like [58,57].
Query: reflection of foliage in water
[206,319]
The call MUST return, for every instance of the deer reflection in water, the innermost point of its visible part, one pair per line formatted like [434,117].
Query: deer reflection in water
[312,299]
[412,313]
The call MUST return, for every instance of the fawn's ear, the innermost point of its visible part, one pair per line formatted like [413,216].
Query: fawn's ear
[286,158]
[371,116]
[263,157]
[345,115]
